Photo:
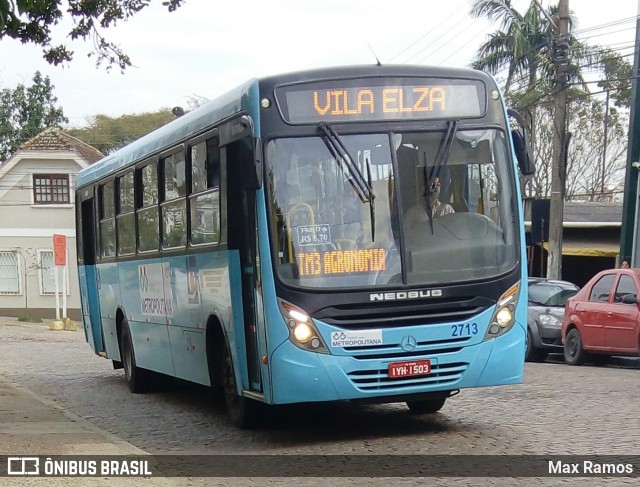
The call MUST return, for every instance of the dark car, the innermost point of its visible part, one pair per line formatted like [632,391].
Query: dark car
[603,319]
[545,311]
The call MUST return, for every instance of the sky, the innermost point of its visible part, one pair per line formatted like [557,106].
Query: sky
[207,47]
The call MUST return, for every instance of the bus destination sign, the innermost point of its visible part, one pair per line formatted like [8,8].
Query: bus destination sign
[381,99]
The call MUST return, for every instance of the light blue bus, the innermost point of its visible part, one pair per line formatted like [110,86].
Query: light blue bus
[352,233]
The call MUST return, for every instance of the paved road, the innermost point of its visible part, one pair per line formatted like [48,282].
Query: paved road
[558,410]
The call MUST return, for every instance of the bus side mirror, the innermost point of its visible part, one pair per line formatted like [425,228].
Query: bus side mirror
[524,154]
[521,146]
[248,152]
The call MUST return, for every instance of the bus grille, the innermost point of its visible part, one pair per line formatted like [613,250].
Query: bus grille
[394,314]
[378,380]
[394,350]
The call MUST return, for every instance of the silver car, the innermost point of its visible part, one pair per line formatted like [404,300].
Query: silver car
[545,311]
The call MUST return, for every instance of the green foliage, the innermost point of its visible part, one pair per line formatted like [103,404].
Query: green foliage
[526,46]
[30,21]
[618,74]
[109,134]
[30,319]
[25,112]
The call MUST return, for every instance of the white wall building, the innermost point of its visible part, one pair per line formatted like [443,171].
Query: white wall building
[37,185]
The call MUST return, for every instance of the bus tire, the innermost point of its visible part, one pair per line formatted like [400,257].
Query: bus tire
[574,354]
[426,406]
[137,378]
[533,354]
[244,413]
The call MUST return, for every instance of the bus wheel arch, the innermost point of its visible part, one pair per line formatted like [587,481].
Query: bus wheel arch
[243,412]
[215,343]
[137,378]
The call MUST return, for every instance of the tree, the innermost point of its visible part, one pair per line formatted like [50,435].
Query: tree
[109,134]
[27,111]
[591,165]
[526,47]
[30,22]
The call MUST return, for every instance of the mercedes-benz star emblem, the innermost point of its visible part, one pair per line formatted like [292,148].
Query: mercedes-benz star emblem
[408,343]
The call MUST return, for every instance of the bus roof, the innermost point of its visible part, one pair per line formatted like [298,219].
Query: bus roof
[368,70]
[163,138]
[232,102]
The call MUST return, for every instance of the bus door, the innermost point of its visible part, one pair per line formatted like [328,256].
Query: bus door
[89,276]
[242,235]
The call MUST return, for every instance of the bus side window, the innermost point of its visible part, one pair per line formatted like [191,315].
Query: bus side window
[107,220]
[147,212]
[173,208]
[125,219]
[204,201]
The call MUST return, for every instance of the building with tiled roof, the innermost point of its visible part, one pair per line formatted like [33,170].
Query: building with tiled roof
[56,140]
[37,185]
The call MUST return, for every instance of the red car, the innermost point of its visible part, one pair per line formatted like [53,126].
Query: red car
[603,318]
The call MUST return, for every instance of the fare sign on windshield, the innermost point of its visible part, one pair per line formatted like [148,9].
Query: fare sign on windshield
[381,99]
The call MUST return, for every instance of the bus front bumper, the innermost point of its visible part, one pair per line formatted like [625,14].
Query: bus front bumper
[301,376]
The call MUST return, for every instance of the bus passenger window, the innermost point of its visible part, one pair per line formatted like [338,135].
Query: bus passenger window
[173,209]
[107,221]
[204,201]
[125,221]
[147,214]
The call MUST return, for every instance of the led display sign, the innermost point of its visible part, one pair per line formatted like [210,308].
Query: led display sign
[381,99]
[336,262]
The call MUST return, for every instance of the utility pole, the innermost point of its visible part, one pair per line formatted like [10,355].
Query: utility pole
[604,148]
[558,169]
[629,233]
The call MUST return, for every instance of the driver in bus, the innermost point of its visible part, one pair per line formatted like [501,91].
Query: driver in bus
[418,213]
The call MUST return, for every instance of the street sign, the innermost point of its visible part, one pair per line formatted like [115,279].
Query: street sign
[60,249]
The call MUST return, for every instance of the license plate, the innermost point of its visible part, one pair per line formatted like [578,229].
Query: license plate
[409,369]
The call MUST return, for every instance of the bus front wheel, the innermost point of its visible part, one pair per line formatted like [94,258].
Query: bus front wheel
[426,406]
[243,412]
[136,377]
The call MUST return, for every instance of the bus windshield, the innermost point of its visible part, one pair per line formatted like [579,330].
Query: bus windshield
[446,214]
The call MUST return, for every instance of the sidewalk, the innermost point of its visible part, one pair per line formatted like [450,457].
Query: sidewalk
[30,425]
[34,426]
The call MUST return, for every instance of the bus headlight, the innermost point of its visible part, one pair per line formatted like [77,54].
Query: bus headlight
[503,317]
[302,331]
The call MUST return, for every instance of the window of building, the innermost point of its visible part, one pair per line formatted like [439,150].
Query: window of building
[51,189]
[47,275]
[10,272]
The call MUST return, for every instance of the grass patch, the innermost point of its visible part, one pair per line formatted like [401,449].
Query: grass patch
[30,319]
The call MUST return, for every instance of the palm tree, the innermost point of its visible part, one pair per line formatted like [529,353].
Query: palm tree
[526,46]
[523,45]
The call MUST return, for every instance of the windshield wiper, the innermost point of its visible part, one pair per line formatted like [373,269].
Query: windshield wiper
[362,186]
[442,158]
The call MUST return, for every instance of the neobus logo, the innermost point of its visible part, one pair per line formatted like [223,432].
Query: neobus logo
[397,296]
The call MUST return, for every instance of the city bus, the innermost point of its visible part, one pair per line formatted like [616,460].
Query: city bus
[261,245]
